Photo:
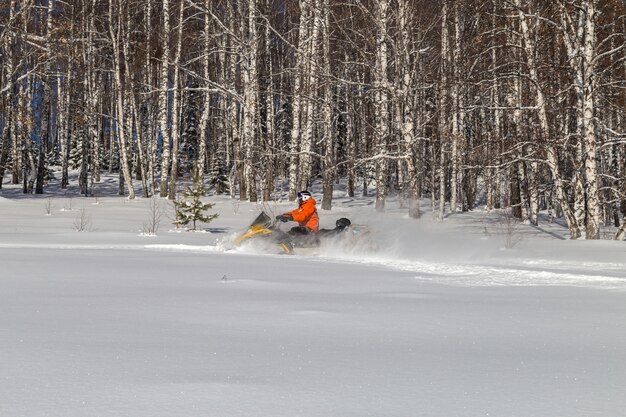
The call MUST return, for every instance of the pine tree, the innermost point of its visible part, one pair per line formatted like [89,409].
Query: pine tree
[217,178]
[189,208]
[53,157]
[76,151]
[189,139]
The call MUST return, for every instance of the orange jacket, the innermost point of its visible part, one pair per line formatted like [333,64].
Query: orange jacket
[306,215]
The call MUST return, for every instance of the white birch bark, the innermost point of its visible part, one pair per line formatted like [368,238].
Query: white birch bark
[580,42]
[443,109]
[544,130]
[494,174]
[270,158]
[250,81]
[9,131]
[163,102]
[294,146]
[329,172]
[95,94]
[16,154]
[133,115]
[233,120]
[381,105]
[405,107]
[306,144]
[456,128]
[151,143]
[206,95]
[594,212]
[64,98]
[350,130]
[176,104]
[119,99]
[25,107]
[92,93]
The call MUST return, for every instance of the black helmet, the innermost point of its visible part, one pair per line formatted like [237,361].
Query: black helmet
[342,223]
[304,195]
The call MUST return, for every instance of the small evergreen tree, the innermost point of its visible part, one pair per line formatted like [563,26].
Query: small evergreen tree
[190,209]
[217,177]
[189,139]
[53,157]
[76,152]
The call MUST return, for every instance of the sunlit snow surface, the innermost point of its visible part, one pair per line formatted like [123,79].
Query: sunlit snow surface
[416,318]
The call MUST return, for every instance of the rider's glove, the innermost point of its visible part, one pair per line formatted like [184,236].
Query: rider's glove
[284,217]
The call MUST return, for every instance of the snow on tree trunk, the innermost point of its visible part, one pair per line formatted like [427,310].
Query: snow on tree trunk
[579,37]
[540,102]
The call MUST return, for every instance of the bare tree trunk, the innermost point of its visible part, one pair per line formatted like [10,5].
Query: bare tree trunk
[493,156]
[592,191]
[151,142]
[176,104]
[270,157]
[251,86]
[406,109]
[119,99]
[204,110]
[444,131]
[93,89]
[350,132]
[381,87]
[306,143]
[233,131]
[63,97]
[9,84]
[163,102]
[294,148]
[26,115]
[327,110]
[457,114]
[580,43]
[544,130]
[131,117]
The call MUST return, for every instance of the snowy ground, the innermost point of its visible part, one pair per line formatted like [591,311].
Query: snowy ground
[421,319]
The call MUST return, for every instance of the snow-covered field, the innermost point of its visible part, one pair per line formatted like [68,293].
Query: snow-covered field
[422,318]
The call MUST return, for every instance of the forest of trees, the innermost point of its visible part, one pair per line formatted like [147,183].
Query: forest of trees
[516,104]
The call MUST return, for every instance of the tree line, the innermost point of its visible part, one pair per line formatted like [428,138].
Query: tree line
[508,103]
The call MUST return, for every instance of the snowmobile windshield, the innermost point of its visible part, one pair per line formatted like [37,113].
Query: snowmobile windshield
[262,220]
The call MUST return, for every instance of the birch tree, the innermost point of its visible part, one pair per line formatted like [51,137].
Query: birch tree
[296,106]
[250,97]
[116,29]
[381,88]
[163,104]
[176,103]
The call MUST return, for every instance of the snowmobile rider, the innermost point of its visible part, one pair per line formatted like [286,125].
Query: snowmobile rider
[305,215]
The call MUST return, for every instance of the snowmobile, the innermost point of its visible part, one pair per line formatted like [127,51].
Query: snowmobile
[266,231]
